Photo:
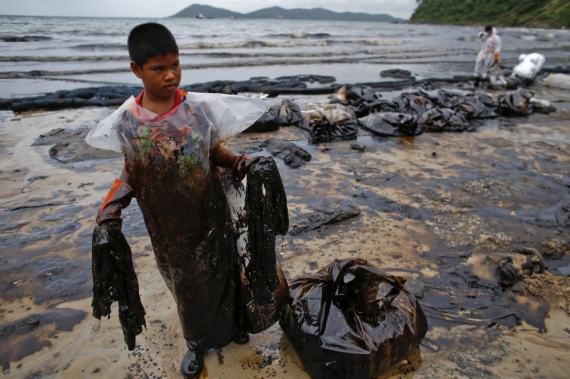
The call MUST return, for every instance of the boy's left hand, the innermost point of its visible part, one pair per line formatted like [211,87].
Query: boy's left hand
[240,167]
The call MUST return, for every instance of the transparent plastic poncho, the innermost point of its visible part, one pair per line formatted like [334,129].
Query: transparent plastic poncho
[199,123]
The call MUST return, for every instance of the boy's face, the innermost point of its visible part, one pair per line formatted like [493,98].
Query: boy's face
[160,76]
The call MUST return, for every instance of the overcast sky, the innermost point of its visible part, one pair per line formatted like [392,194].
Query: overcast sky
[164,8]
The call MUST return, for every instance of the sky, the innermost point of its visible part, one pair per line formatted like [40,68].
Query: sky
[165,8]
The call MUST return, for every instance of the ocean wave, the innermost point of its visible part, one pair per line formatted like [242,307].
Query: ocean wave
[249,44]
[300,35]
[80,58]
[24,38]
[229,64]
[292,43]
[252,63]
[251,55]
[100,46]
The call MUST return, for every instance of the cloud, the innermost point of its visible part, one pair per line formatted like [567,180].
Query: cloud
[159,8]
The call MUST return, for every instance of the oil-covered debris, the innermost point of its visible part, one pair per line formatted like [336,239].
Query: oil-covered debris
[265,287]
[325,213]
[391,124]
[286,113]
[524,261]
[116,95]
[114,279]
[396,73]
[334,123]
[292,155]
[350,320]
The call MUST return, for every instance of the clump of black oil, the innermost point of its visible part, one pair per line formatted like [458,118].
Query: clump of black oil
[264,286]
[114,279]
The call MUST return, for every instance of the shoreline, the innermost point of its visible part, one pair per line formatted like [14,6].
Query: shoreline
[432,207]
[295,85]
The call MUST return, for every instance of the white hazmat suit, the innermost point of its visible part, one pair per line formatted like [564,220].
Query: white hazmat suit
[490,47]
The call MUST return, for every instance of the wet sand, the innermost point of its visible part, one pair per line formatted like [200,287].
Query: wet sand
[438,209]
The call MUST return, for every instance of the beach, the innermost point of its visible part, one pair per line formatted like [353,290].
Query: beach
[439,209]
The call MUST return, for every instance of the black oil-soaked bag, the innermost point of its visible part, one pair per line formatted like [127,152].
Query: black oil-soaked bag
[391,124]
[114,279]
[335,123]
[351,321]
[264,287]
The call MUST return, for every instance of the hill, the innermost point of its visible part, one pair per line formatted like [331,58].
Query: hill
[208,11]
[282,13]
[530,13]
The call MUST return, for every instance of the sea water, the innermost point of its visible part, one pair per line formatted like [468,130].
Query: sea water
[68,53]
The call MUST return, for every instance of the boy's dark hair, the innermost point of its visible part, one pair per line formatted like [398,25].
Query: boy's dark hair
[149,40]
[488,28]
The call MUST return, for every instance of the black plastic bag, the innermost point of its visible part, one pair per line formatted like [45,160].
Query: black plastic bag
[268,122]
[516,103]
[114,279]
[351,321]
[391,124]
[359,99]
[477,105]
[443,120]
[287,113]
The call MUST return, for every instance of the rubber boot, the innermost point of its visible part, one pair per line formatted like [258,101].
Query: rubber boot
[192,364]
[241,338]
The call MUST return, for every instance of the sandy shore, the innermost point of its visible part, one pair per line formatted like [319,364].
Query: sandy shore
[437,209]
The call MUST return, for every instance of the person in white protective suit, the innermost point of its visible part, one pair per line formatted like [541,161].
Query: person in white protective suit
[489,54]
[528,67]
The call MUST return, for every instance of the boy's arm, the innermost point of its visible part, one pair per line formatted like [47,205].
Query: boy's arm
[118,198]
[222,157]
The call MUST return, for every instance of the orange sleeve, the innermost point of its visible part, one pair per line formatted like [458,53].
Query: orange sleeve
[118,198]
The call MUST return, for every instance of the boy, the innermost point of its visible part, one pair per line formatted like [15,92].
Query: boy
[171,141]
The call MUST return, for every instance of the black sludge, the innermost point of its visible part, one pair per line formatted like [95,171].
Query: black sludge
[114,279]
[391,124]
[265,288]
[292,155]
[334,123]
[350,320]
